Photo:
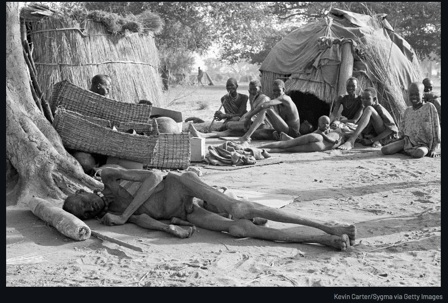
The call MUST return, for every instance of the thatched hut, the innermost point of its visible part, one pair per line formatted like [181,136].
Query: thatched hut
[76,49]
[316,60]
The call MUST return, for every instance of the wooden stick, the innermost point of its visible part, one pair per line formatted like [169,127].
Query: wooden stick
[116,241]
[209,128]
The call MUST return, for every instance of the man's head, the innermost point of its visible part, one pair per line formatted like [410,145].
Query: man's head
[278,88]
[351,85]
[254,87]
[323,123]
[428,85]
[415,93]
[231,86]
[84,205]
[369,97]
[101,84]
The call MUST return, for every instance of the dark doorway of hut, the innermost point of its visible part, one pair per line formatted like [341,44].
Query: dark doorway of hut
[309,106]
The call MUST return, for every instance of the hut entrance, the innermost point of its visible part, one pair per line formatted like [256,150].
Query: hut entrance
[310,107]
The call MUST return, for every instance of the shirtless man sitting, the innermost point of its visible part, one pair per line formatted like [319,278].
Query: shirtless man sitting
[286,120]
[170,197]
[321,139]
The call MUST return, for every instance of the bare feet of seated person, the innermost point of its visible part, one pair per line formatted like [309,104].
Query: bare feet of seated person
[346,146]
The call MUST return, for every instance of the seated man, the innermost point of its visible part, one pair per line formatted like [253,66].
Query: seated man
[429,96]
[284,119]
[171,196]
[234,103]
[421,128]
[351,104]
[101,85]
[321,139]
[237,128]
[376,116]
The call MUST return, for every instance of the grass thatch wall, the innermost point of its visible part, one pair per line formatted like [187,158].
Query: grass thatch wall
[63,52]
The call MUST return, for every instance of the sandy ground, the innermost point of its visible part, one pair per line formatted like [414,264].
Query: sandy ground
[394,201]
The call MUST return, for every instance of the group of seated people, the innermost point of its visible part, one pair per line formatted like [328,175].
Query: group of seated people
[170,196]
[362,120]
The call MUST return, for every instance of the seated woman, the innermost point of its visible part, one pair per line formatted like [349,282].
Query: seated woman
[234,103]
[321,139]
[170,197]
[420,128]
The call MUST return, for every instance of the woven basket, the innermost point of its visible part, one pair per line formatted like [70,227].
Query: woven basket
[87,103]
[156,151]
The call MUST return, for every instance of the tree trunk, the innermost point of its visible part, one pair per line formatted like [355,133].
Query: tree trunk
[33,147]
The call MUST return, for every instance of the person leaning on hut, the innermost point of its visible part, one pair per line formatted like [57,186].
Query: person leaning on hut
[170,196]
[429,96]
[376,122]
[284,118]
[351,104]
[234,104]
[421,128]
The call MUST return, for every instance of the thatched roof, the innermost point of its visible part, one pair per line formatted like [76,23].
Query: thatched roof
[309,58]
[75,50]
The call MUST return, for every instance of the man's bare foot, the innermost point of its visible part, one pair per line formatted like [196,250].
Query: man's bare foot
[193,131]
[265,154]
[180,232]
[346,146]
[340,242]
[285,137]
[244,139]
[339,230]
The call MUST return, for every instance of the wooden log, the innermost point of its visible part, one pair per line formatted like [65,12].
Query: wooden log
[66,223]
[346,67]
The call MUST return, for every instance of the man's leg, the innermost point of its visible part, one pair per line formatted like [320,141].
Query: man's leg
[249,210]
[195,133]
[245,228]
[277,122]
[393,148]
[254,126]
[302,140]
[369,115]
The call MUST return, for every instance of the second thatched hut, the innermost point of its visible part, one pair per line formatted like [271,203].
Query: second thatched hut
[316,60]
[77,48]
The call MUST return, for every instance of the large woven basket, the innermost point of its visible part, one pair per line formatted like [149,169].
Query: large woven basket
[171,151]
[87,103]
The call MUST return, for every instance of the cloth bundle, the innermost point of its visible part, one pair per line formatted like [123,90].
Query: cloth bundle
[231,153]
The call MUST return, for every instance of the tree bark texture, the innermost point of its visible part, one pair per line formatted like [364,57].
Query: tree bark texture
[33,147]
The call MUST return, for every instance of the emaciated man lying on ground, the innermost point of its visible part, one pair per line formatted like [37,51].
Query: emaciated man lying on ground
[170,197]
